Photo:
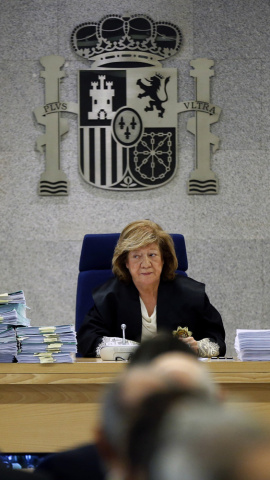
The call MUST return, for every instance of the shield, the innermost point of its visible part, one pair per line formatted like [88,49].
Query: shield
[127,131]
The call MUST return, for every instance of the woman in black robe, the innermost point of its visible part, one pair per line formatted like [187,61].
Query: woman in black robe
[148,296]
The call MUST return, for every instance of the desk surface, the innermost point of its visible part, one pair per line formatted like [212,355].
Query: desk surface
[94,370]
[50,407]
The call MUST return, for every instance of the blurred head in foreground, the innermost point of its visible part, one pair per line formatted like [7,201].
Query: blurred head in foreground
[180,374]
[200,441]
[163,342]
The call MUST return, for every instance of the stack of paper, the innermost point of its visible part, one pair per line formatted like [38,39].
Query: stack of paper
[252,344]
[13,309]
[12,314]
[46,344]
[26,344]
[15,297]
[8,344]
[66,330]
[45,358]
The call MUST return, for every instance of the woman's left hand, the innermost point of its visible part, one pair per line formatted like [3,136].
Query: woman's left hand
[191,342]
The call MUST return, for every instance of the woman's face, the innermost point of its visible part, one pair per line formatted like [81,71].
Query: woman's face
[145,265]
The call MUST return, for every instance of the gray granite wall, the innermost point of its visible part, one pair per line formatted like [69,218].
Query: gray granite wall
[227,235]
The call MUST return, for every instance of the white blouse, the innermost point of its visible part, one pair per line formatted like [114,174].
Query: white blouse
[149,324]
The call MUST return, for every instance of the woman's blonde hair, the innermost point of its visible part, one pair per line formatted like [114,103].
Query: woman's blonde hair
[140,234]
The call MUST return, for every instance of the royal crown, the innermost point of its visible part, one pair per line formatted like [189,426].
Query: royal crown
[132,40]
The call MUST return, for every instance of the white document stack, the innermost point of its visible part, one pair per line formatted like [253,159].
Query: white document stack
[12,314]
[13,309]
[8,344]
[20,342]
[252,344]
[56,344]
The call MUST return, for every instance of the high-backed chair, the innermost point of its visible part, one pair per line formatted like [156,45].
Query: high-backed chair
[96,267]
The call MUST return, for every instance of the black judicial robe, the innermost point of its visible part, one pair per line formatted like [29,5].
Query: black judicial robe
[181,302]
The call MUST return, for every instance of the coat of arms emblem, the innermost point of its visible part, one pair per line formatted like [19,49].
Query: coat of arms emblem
[127,109]
[127,119]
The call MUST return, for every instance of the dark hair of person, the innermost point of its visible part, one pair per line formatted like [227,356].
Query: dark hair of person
[153,347]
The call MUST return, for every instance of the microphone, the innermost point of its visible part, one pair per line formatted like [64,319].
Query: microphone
[123,326]
[117,350]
